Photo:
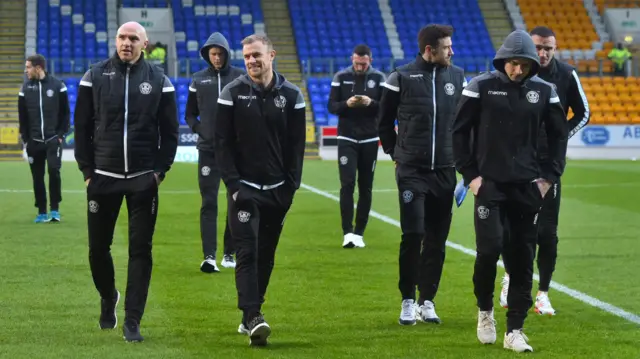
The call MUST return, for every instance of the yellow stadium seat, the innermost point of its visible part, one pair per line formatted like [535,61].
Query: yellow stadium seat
[569,18]
[613,100]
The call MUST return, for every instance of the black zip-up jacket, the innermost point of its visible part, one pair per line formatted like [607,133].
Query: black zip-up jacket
[126,120]
[423,97]
[569,89]
[260,134]
[43,109]
[356,123]
[204,90]
[505,118]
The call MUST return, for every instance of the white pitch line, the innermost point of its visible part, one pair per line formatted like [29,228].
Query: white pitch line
[585,298]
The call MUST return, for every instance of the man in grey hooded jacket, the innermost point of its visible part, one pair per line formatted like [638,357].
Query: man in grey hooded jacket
[202,102]
[504,110]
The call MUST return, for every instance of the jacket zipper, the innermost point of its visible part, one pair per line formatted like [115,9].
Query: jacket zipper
[41,114]
[126,120]
[219,90]
[433,129]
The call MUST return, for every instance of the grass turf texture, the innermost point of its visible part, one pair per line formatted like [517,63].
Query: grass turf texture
[323,301]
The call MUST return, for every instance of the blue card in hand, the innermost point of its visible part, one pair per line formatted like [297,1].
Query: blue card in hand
[460,192]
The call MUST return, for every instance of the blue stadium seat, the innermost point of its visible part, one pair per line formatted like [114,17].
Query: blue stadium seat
[326,32]
[235,19]
[471,41]
[68,40]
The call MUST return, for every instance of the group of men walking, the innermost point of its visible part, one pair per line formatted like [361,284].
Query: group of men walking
[505,132]
[252,129]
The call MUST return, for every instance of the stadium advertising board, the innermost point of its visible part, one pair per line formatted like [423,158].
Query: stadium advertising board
[187,137]
[615,136]
[590,136]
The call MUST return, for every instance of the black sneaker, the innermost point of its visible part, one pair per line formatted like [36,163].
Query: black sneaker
[131,332]
[108,318]
[259,331]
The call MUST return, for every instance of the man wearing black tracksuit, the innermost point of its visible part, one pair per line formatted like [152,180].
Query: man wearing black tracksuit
[204,90]
[504,110]
[423,95]
[126,136]
[43,110]
[569,89]
[259,139]
[355,95]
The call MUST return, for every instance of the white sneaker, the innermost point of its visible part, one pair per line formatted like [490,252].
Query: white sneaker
[408,313]
[505,291]
[228,261]
[243,330]
[348,241]
[209,265]
[427,313]
[517,341]
[486,327]
[357,240]
[543,304]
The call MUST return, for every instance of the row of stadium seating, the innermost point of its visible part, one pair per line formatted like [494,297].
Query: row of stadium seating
[611,99]
[323,44]
[71,32]
[569,19]
[194,21]
[325,33]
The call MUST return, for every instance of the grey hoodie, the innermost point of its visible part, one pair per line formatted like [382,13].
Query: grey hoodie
[517,45]
[204,90]
[506,119]
[216,39]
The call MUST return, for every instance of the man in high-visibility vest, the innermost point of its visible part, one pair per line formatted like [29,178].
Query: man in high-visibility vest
[619,56]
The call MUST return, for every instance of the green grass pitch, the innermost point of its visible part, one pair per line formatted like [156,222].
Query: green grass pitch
[323,301]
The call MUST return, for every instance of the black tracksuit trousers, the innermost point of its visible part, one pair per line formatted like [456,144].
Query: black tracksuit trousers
[498,205]
[105,195]
[547,237]
[356,158]
[209,182]
[256,218]
[50,153]
[426,204]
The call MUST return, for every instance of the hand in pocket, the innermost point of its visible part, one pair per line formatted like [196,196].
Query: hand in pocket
[475,185]
[543,186]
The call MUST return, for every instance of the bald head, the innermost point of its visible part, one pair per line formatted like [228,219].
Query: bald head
[130,40]
[133,27]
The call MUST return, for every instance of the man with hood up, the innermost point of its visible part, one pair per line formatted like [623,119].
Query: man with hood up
[204,91]
[572,96]
[504,111]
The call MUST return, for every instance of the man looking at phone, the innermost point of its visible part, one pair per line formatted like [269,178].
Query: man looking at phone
[354,98]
